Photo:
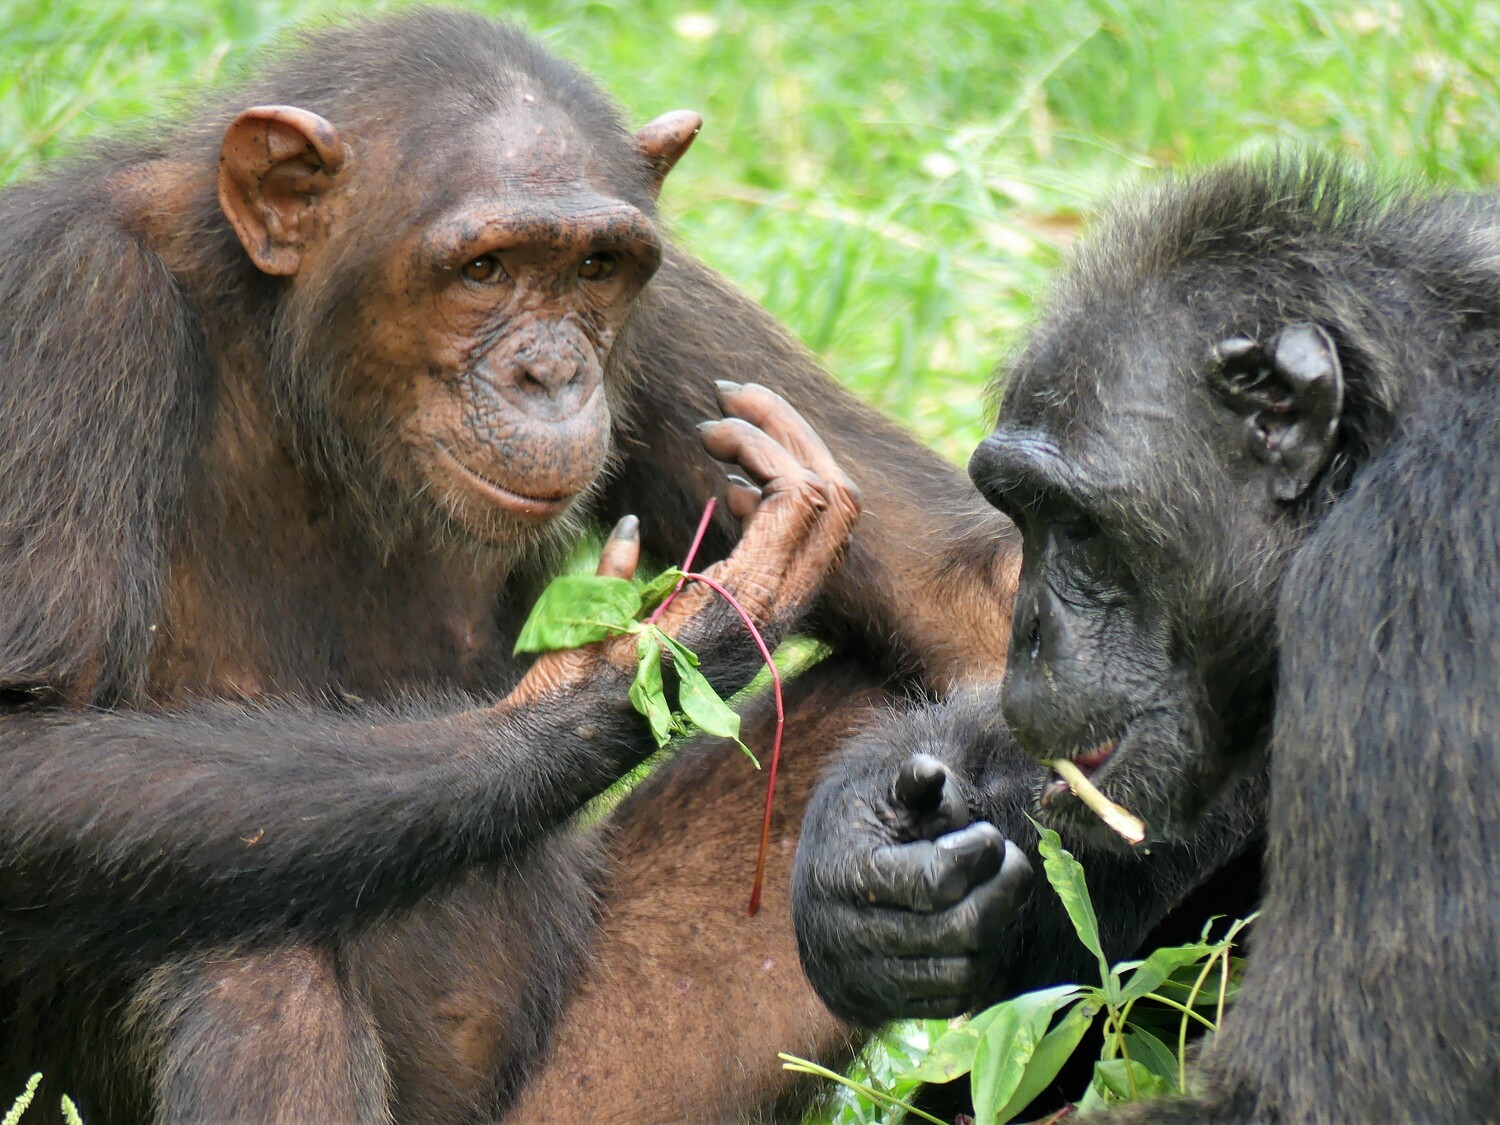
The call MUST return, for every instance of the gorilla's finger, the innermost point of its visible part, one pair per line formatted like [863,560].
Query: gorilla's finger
[622,550]
[928,978]
[1016,877]
[931,875]
[919,783]
[977,923]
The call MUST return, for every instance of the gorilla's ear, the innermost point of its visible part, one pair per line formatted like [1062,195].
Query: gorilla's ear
[1289,394]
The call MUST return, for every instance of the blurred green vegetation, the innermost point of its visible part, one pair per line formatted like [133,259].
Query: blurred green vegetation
[893,180]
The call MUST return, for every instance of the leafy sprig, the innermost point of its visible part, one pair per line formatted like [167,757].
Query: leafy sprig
[1015,1050]
[582,609]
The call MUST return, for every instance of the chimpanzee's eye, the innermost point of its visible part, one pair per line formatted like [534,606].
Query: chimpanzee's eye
[485,268]
[596,267]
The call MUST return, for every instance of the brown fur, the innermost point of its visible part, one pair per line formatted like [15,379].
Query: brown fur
[296,823]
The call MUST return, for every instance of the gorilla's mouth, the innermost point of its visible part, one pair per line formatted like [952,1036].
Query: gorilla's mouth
[529,507]
[1089,763]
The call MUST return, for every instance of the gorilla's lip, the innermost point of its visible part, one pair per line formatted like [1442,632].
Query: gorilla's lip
[531,507]
[1090,762]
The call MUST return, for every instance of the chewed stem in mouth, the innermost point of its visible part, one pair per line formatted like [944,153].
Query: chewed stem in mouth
[1074,774]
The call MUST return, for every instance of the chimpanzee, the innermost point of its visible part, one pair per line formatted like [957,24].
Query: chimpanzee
[1252,452]
[301,404]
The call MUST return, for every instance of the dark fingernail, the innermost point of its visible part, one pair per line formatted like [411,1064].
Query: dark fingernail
[629,527]
[726,387]
[919,783]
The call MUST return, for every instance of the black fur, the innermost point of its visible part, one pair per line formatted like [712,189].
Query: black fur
[1342,620]
[1251,452]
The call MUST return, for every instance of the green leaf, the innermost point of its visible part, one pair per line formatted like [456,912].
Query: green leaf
[1055,1049]
[1115,1076]
[654,592]
[1162,963]
[646,692]
[579,609]
[1148,1050]
[1066,876]
[680,651]
[952,1052]
[950,1056]
[1180,984]
[1009,1044]
[701,704]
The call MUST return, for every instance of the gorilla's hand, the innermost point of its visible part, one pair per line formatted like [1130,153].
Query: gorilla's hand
[901,900]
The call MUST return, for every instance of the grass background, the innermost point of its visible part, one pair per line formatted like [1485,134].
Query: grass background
[894,180]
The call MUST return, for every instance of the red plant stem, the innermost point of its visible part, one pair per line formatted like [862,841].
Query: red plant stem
[687,563]
[765,652]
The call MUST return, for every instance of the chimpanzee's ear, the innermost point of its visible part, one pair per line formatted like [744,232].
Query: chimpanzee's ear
[1290,394]
[274,165]
[662,142]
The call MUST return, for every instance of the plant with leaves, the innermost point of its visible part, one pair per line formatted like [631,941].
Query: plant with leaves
[1015,1050]
[581,609]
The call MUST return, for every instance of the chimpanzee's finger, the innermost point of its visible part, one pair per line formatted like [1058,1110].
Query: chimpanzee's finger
[768,411]
[622,550]
[929,875]
[760,455]
[743,497]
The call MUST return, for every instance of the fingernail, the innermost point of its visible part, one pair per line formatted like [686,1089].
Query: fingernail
[726,387]
[629,527]
[736,479]
[706,427]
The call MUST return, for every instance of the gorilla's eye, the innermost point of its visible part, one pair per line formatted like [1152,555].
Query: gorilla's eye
[1078,528]
[596,267]
[485,268]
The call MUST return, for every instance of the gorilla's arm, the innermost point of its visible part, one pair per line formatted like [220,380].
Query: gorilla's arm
[908,901]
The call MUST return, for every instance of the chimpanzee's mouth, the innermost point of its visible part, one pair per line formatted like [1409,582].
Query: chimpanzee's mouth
[529,507]
[1089,763]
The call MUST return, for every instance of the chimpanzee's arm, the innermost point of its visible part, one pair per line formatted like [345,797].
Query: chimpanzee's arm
[223,822]
[220,822]
[904,907]
[927,584]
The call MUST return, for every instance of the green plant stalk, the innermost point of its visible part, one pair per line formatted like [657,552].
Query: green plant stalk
[803,1066]
[1224,980]
[21,1103]
[1187,1012]
[1182,1028]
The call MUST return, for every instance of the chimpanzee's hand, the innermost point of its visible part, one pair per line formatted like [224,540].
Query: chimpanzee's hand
[901,903]
[799,510]
[798,521]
